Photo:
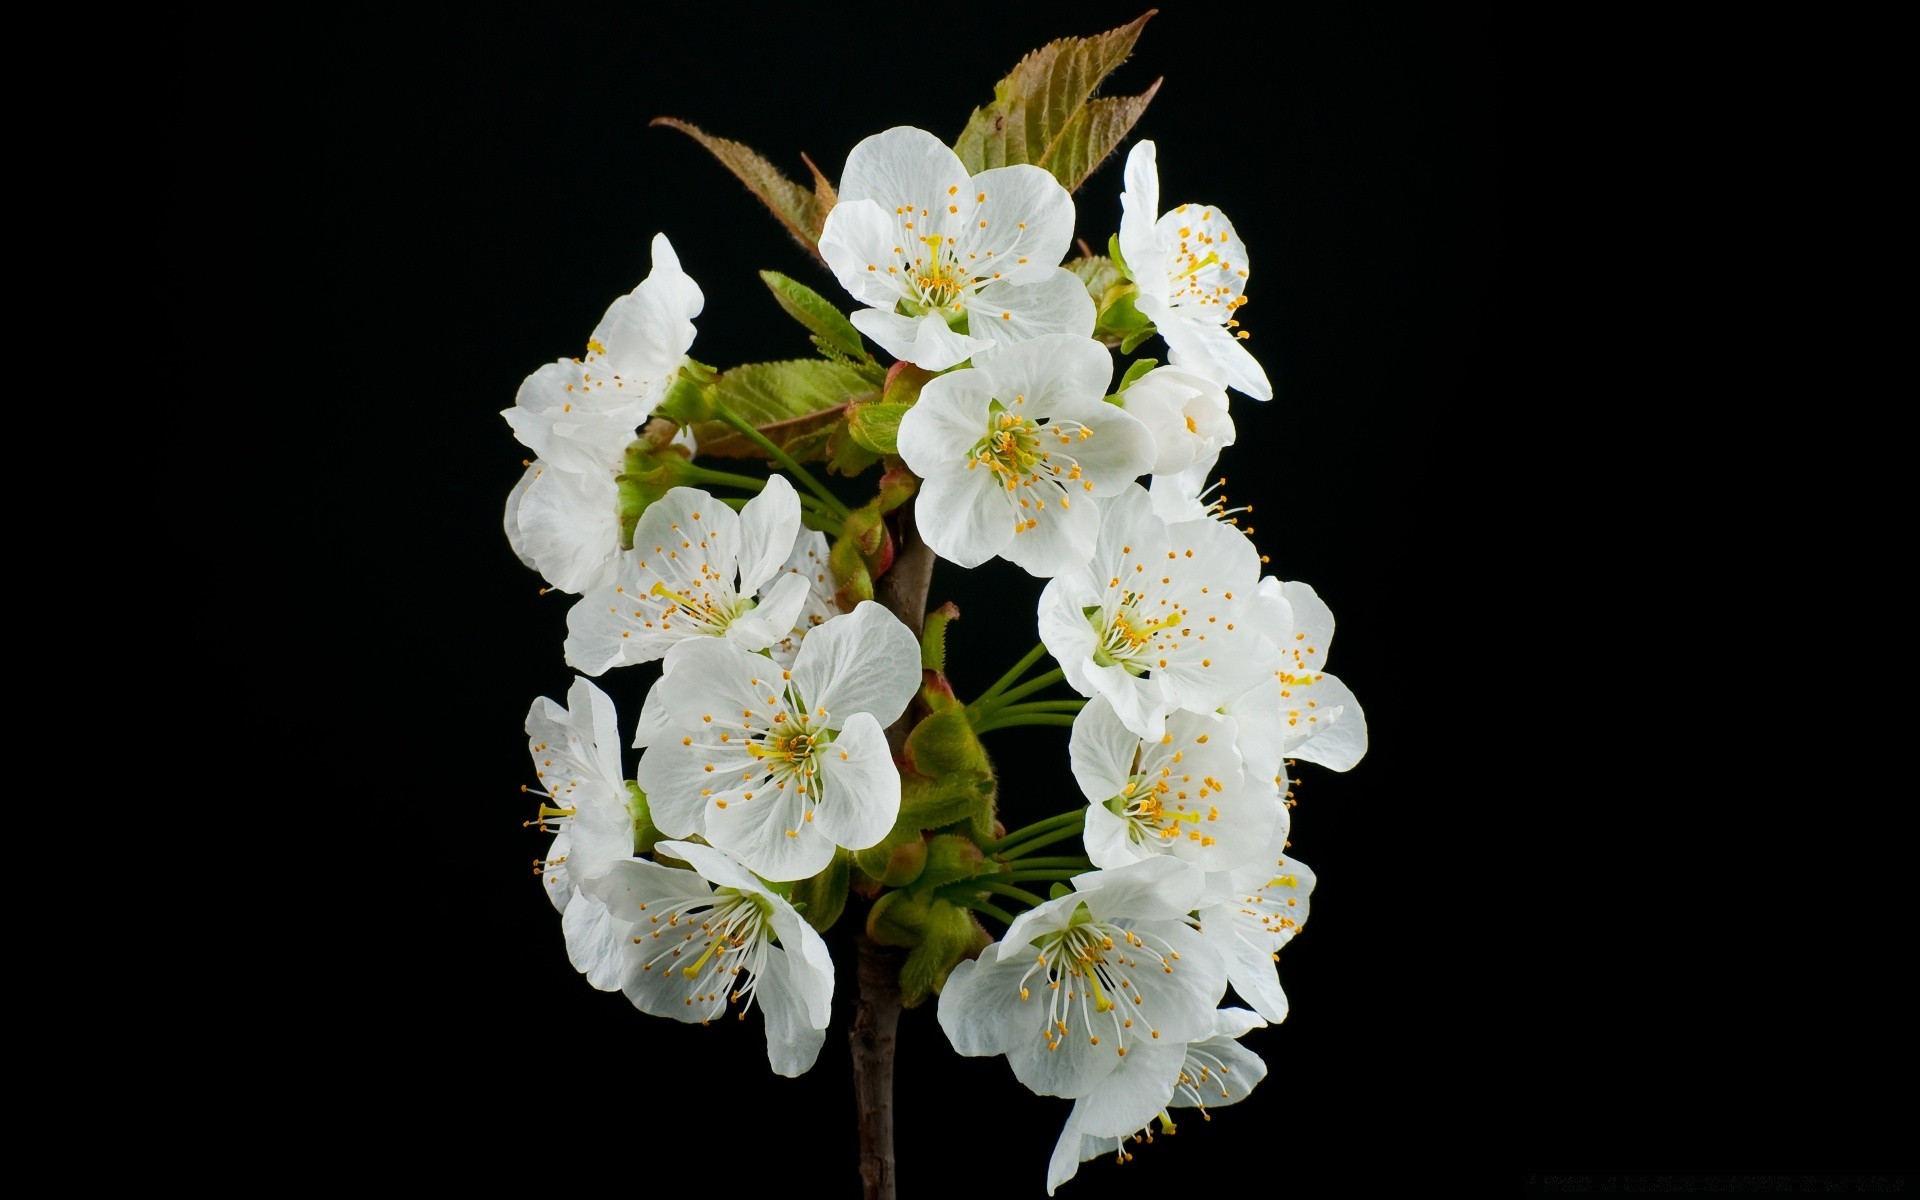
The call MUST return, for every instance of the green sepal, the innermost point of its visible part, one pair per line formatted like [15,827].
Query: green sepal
[876,862]
[644,833]
[876,426]
[1120,318]
[933,638]
[1133,339]
[897,918]
[649,471]
[846,453]
[864,551]
[1134,372]
[1119,259]
[818,314]
[949,776]
[1058,890]
[1100,275]
[949,935]
[950,859]
[686,401]
[823,898]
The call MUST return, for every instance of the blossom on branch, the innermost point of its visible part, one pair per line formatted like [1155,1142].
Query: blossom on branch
[951,265]
[1017,452]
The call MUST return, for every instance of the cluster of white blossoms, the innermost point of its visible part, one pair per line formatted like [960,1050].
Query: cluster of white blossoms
[764,754]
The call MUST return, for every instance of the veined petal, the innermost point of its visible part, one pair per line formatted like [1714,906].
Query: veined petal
[1005,313]
[1016,944]
[981,1004]
[595,941]
[1135,1092]
[774,617]
[1021,219]
[682,793]
[1210,351]
[645,334]
[635,883]
[1107,841]
[1064,628]
[924,341]
[1331,729]
[1181,1000]
[770,832]
[1120,448]
[964,516]
[717,867]
[1102,750]
[1155,890]
[793,1037]
[1036,377]
[1139,210]
[691,542]
[710,688]
[860,784]
[654,724]
[567,413]
[768,524]
[1249,962]
[566,525]
[1054,539]
[554,879]
[938,433]
[901,165]
[1142,702]
[811,968]
[857,242]
[865,661]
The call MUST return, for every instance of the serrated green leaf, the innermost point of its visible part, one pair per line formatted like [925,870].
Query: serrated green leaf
[1043,112]
[877,426]
[785,401]
[818,314]
[803,212]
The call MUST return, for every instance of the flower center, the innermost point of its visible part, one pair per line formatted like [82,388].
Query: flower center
[1028,458]
[706,942]
[1088,969]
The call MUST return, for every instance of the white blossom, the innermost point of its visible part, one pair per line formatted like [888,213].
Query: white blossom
[1080,983]
[697,941]
[779,767]
[1158,619]
[579,414]
[695,571]
[951,265]
[1191,269]
[1016,453]
[565,524]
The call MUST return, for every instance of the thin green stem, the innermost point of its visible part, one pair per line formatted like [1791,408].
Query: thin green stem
[784,459]
[1005,681]
[730,479]
[981,906]
[1007,889]
[1071,816]
[1057,719]
[1026,689]
[1077,862]
[1045,839]
[1041,706]
[1056,875]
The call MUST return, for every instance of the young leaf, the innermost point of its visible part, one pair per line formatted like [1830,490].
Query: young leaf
[784,400]
[818,314]
[877,426]
[1041,113]
[804,213]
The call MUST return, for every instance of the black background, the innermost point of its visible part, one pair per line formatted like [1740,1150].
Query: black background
[1496,973]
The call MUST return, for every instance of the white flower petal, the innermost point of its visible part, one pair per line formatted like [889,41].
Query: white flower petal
[924,341]
[768,524]
[1210,351]
[595,941]
[1139,211]
[865,661]
[1135,1092]
[566,525]
[1158,889]
[1048,372]
[1120,449]
[980,1002]
[681,792]
[1249,961]
[654,723]
[647,332]
[1102,751]
[1107,841]
[899,166]
[774,616]
[770,833]
[1058,539]
[857,242]
[810,974]
[937,433]
[793,1040]
[1005,313]
[860,785]
[964,517]
[716,867]
[1024,224]
[554,878]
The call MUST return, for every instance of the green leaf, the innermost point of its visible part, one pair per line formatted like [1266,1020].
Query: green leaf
[783,400]
[1043,112]
[803,212]
[818,314]
[877,426]
[846,453]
